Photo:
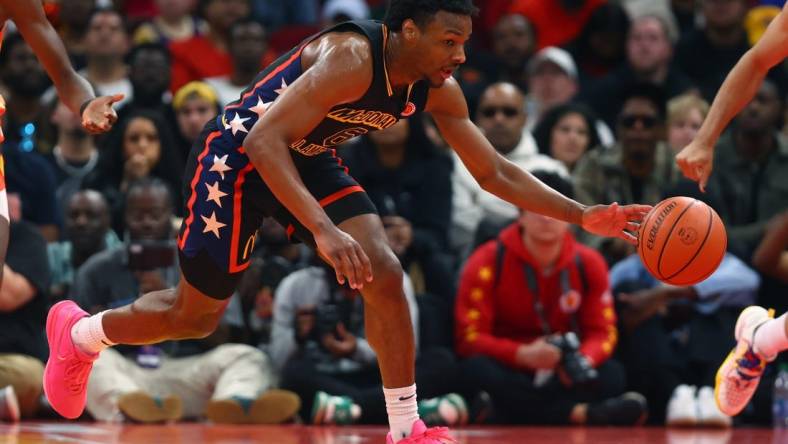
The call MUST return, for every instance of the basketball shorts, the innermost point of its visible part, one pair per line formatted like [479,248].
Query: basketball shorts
[226,200]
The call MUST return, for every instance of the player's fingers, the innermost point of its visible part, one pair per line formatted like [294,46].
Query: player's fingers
[366,264]
[116,98]
[357,269]
[346,268]
[704,179]
[629,237]
[633,227]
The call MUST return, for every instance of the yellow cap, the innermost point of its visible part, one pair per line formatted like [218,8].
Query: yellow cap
[200,89]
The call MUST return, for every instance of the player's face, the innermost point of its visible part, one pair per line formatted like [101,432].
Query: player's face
[441,46]
[142,138]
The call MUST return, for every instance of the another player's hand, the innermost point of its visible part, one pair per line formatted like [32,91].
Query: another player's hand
[696,161]
[615,220]
[99,116]
[347,257]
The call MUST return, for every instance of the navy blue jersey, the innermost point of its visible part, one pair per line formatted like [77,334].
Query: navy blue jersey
[379,108]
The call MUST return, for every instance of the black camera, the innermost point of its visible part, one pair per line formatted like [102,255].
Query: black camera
[327,317]
[574,365]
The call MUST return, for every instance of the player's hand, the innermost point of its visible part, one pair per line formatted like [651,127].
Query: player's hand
[615,220]
[99,116]
[696,161]
[347,257]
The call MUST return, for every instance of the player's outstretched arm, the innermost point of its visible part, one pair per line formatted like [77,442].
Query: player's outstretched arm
[509,182]
[696,159]
[75,92]
[339,71]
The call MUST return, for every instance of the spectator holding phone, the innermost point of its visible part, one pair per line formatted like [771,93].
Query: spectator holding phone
[171,380]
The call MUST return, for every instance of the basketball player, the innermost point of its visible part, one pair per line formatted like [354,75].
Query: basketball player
[75,92]
[272,153]
[759,337]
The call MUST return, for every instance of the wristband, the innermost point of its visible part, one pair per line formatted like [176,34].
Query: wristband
[85,105]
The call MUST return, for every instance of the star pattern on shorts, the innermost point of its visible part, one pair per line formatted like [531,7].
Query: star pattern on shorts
[282,88]
[212,225]
[215,194]
[220,165]
[237,124]
[260,108]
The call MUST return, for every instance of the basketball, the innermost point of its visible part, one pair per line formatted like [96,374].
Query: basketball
[682,241]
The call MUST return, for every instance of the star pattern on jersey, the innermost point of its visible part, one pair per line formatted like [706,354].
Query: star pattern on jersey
[215,194]
[220,165]
[261,107]
[237,124]
[282,88]
[212,225]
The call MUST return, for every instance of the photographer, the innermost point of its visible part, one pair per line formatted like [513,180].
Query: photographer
[535,317]
[227,383]
[317,340]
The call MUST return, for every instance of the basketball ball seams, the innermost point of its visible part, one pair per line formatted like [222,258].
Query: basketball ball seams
[714,268]
[670,232]
[710,225]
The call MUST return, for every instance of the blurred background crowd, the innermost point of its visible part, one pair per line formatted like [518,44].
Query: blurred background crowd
[520,319]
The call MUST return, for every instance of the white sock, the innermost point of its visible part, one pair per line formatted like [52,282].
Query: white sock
[403,410]
[770,338]
[88,334]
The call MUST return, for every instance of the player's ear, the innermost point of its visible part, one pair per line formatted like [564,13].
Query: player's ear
[410,30]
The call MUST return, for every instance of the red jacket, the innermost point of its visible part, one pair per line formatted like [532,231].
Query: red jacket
[494,320]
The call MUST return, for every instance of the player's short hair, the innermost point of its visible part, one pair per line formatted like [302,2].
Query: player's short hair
[423,11]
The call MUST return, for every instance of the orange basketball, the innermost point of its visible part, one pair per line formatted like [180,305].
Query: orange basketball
[682,241]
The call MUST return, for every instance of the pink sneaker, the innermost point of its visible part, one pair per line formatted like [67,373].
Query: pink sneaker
[420,434]
[68,368]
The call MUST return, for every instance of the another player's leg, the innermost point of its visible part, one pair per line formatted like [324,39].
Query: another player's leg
[389,332]
[75,338]
[759,338]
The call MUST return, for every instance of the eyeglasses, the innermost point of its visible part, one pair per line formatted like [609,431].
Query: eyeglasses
[648,122]
[508,111]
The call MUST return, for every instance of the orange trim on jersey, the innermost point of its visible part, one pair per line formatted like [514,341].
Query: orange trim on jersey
[326,201]
[389,89]
[195,179]
[237,196]
[270,75]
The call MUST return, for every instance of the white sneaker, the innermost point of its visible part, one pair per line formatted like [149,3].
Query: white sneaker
[709,414]
[738,376]
[682,407]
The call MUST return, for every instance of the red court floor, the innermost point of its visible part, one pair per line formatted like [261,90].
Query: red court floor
[86,433]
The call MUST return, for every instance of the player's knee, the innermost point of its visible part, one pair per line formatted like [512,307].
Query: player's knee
[387,271]
[194,326]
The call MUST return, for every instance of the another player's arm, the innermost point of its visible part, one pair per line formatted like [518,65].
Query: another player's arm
[73,90]
[339,71]
[736,91]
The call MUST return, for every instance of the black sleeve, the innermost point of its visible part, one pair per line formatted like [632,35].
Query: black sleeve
[27,255]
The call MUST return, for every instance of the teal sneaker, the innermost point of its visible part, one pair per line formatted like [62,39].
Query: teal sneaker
[449,410]
[334,410]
